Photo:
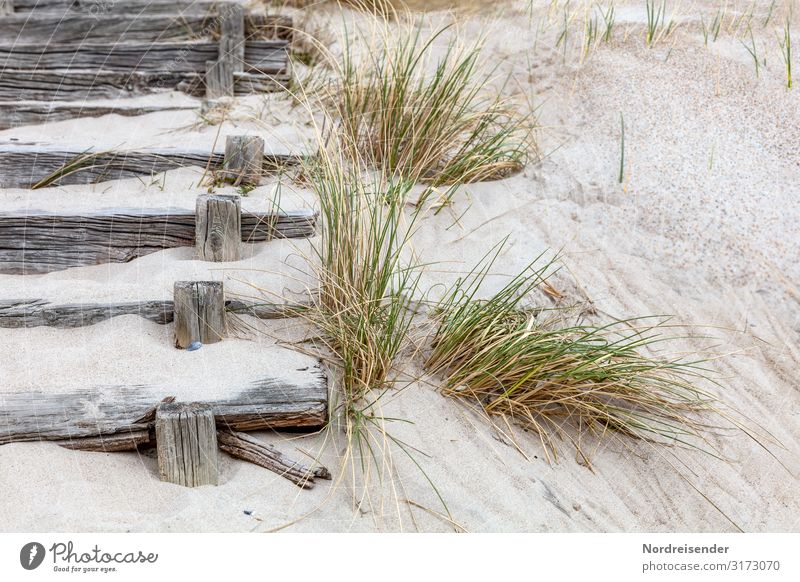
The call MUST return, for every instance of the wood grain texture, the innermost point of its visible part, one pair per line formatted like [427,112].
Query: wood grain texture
[21,313]
[243,155]
[37,312]
[77,85]
[92,412]
[35,165]
[218,227]
[132,26]
[42,242]
[267,57]
[35,113]
[199,312]
[186,443]
[250,449]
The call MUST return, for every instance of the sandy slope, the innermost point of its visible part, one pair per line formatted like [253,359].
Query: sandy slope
[704,227]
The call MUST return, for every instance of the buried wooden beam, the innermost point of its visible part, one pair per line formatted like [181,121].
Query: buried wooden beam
[78,85]
[41,242]
[199,313]
[23,313]
[243,155]
[39,165]
[119,415]
[186,443]
[218,227]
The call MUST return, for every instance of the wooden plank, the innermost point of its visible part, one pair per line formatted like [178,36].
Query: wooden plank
[77,85]
[37,312]
[37,165]
[35,113]
[186,441]
[22,313]
[75,27]
[42,242]
[199,313]
[267,57]
[93,412]
[101,7]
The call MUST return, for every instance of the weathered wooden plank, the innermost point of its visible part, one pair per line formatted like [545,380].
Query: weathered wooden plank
[19,313]
[248,448]
[77,85]
[34,113]
[36,312]
[186,441]
[267,57]
[199,313]
[35,165]
[117,410]
[101,7]
[42,242]
[132,26]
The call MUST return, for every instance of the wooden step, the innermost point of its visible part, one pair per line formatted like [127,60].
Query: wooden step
[265,57]
[103,7]
[21,113]
[24,313]
[132,25]
[42,242]
[78,85]
[36,165]
[123,416]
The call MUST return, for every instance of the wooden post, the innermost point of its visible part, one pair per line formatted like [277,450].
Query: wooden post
[199,312]
[218,227]
[244,159]
[220,73]
[186,442]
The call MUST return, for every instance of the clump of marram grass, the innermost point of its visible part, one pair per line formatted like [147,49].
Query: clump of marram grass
[365,277]
[561,378]
[426,113]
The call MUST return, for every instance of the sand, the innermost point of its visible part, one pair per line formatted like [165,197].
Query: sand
[703,227]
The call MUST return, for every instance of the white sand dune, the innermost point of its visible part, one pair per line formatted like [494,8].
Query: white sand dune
[704,227]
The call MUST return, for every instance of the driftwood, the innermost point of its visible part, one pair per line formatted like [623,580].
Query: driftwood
[36,165]
[133,25]
[199,312]
[73,84]
[37,312]
[42,242]
[266,57]
[248,448]
[120,415]
[186,441]
[35,113]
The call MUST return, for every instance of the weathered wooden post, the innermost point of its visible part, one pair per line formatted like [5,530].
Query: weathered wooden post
[218,227]
[186,442]
[220,73]
[244,159]
[199,312]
